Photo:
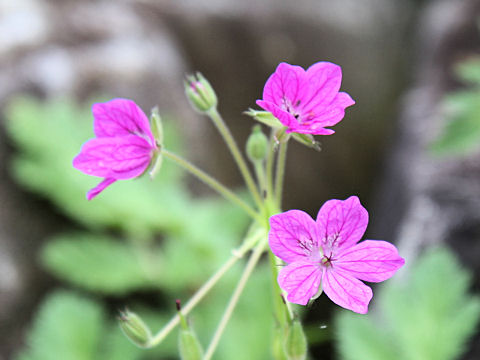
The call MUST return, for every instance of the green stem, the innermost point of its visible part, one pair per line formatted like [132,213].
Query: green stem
[237,155]
[158,338]
[260,173]
[252,262]
[214,184]
[280,173]
[278,305]
[269,166]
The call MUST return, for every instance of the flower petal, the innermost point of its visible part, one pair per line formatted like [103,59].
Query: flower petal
[284,117]
[293,236]
[301,281]
[324,80]
[328,115]
[99,188]
[346,291]
[310,128]
[341,223]
[120,117]
[287,83]
[370,260]
[119,158]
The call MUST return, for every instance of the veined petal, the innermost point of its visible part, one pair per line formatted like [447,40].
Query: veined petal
[324,80]
[326,115]
[284,117]
[120,117]
[286,86]
[341,223]
[99,188]
[310,128]
[119,158]
[370,260]
[346,291]
[293,236]
[301,281]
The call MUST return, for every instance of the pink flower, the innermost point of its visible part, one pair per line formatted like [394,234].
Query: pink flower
[306,101]
[123,147]
[325,254]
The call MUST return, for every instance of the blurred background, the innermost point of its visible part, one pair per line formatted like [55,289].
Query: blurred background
[409,148]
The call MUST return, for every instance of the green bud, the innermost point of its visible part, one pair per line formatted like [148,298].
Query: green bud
[200,93]
[296,342]
[134,328]
[278,348]
[157,126]
[156,164]
[188,344]
[157,131]
[264,117]
[257,145]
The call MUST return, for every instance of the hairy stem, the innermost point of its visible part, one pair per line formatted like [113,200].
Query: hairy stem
[199,295]
[213,183]
[269,166]
[280,173]
[237,155]
[252,262]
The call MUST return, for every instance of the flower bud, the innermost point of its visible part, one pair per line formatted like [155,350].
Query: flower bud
[296,342]
[188,344]
[134,328]
[278,348]
[257,145]
[157,131]
[200,93]
[156,126]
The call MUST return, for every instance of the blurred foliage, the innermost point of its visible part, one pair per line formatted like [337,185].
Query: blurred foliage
[137,235]
[429,316]
[78,328]
[68,326]
[100,263]
[462,131]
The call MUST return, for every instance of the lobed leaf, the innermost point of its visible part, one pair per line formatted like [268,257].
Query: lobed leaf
[67,327]
[429,316]
[101,264]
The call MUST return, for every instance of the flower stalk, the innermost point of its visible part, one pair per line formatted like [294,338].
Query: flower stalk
[252,262]
[214,115]
[213,183]
[237,254]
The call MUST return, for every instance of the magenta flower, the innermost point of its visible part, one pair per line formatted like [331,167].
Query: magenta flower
[306,101]
[123,147]
[324,255]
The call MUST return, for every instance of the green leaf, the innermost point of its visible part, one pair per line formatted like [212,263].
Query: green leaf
[360,338]
[100,263]
[469,70]
[428,316]
[67,327]
[48,136]
[462,113]
[462,131]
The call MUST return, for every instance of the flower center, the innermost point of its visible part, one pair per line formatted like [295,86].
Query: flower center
[326,261]
[290,108]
